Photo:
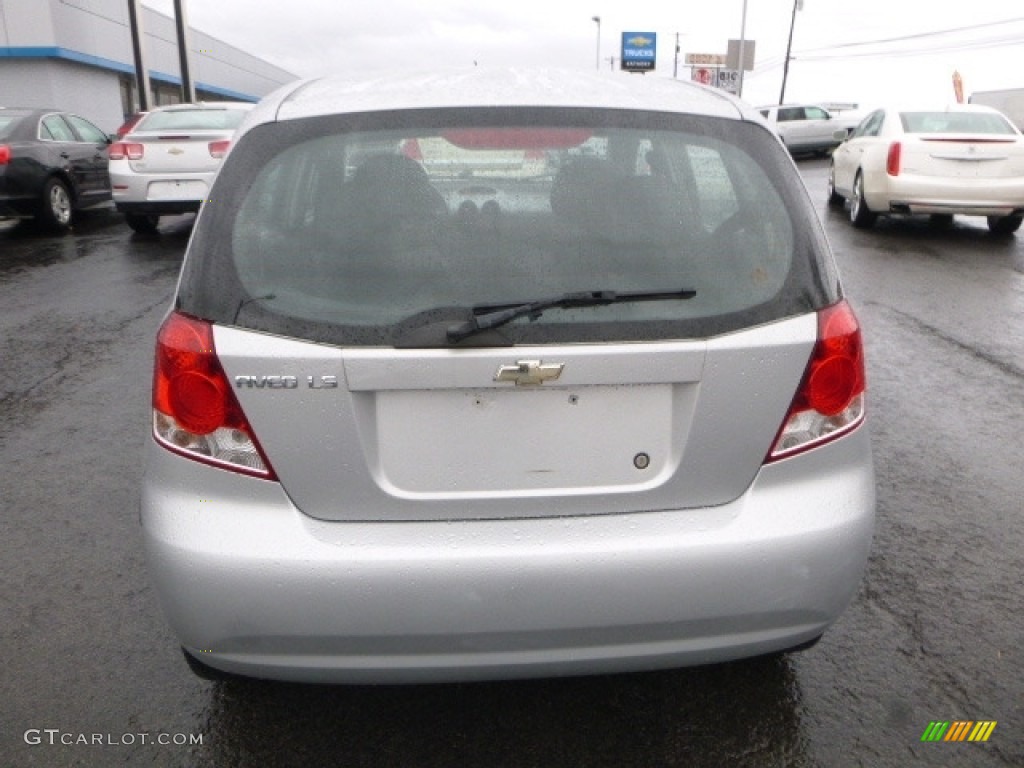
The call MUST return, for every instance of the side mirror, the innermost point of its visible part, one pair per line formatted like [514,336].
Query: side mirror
[841,135]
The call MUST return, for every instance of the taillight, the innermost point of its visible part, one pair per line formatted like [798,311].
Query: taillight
[5,154]
[219,148]
[892,160]
[830,399]
[195,412]
[411,149]
[131,150]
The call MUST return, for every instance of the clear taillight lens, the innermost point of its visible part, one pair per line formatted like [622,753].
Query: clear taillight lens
[830,399]
[195,412]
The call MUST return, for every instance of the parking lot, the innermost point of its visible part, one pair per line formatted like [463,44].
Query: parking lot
[94,677]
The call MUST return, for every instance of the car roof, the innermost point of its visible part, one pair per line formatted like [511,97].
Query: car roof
[201,105]
[950,107]
[23,111]
[495,87]
[792,104]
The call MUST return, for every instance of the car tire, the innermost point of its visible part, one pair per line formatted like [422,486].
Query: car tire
[143,223]
[55,206]
[1004,225]
[861,216]
[835,200]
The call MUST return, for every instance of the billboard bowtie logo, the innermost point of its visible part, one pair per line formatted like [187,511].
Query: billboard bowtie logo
[958,730]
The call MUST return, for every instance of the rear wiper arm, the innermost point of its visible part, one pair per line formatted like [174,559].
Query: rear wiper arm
[485,317]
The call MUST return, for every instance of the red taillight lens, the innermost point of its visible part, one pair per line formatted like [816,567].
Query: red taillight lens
[830,399]
[5,154]
[195,412]
[892,160]
[411,149]
[121,150]
[219,148]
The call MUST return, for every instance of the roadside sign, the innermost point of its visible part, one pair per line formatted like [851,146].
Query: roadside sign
[704,75]
[729,80]
[639,51]
[732,58]
[705,59]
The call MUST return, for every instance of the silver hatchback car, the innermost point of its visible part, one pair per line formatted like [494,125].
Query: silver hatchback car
[505,373]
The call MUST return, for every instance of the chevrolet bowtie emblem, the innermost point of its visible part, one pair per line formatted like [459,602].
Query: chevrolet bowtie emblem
[529,373]
[175,151]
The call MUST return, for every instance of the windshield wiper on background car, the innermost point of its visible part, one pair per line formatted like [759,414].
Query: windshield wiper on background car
[490,316]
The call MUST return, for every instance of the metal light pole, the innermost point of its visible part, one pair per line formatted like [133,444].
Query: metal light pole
[141,73]
[188,92]
[597,58]
[742,51]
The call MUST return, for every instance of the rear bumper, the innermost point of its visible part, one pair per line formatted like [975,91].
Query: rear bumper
[158,193]
[966,197]
[167,207]
[252,586]
[15,201]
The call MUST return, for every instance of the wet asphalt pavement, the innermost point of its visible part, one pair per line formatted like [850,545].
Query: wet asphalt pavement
[92,676]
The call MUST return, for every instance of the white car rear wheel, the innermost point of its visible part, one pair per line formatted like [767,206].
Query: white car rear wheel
[861,216]
[1004,225]
[835,200]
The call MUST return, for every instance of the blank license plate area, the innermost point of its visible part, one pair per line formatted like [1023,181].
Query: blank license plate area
[507,441]
[177,190]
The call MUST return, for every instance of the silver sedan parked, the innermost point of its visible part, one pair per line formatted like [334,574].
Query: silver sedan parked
[503,373]
[166,162]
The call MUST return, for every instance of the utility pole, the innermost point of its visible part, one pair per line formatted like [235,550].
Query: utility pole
[675,60]
[141,73]
[188,91]
[742,53]
[789,48]
[597,58]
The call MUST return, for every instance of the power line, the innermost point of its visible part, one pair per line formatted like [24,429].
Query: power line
[884,46]
[921,35]
[905,52]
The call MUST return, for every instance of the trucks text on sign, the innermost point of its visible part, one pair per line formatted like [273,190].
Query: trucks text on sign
[639,51]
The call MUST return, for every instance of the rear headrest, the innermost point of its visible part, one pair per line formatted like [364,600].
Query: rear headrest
[584,191]
[397,183]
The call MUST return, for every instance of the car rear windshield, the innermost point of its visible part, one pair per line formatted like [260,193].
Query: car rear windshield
[192,120]
[7,123]
[955,122]
[369,229]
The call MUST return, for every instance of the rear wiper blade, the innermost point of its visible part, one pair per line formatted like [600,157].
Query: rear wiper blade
[486,317]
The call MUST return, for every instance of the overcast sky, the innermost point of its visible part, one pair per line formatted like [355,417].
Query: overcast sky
[863,51]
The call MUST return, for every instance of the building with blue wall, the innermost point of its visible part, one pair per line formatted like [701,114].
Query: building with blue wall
[77,55]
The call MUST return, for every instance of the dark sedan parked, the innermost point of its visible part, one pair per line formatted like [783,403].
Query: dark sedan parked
[52,163]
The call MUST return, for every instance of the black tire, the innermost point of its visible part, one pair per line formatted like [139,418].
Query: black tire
[835,200]
[861,216]
[143,223]
[1004,225]
[56,209]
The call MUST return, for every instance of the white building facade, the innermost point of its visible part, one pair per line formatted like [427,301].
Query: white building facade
[77,55]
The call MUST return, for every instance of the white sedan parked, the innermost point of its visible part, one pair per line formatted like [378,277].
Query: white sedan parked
[166,163]
[963,159]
